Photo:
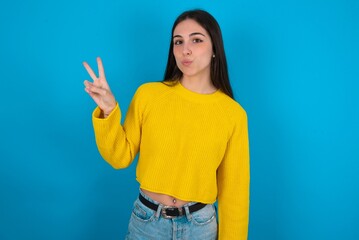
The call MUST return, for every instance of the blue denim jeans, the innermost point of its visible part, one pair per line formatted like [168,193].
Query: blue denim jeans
[146,224]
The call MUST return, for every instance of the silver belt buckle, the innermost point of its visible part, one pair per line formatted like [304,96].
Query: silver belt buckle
[164,214]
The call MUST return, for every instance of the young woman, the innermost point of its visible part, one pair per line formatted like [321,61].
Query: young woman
[192,137]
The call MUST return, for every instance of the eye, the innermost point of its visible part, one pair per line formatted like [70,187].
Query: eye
[197,40]
[177,42]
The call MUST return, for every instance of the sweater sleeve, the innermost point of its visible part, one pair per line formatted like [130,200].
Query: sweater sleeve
[233,185]
[119,144]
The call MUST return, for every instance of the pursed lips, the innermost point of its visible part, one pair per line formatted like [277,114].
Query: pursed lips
[186,62]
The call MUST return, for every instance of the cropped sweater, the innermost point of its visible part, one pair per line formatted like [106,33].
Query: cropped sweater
[191,146]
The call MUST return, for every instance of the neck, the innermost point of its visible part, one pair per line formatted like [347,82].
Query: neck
[202,86]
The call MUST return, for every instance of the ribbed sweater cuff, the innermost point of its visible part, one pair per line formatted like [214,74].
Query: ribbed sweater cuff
[103,125]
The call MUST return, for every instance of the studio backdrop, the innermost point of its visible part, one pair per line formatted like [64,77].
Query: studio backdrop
[293,67]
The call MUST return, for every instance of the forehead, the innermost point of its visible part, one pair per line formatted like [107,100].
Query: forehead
[187,27]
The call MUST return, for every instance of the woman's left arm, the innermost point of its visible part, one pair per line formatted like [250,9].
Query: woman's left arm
[233,184]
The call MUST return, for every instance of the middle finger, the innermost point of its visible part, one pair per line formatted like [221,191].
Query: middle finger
[101,70]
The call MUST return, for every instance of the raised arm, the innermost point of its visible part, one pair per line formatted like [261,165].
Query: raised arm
[117,144]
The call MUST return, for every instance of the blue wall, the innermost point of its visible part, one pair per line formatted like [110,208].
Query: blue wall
[294,66]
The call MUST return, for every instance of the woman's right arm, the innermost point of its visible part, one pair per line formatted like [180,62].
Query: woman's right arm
[117,144]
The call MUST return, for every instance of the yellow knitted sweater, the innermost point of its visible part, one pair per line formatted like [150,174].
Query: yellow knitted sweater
[192,146]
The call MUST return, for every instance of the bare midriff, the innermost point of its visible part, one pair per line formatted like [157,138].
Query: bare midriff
[165,199]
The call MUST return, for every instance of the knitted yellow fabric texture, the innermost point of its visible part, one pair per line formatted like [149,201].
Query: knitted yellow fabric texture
[191,146]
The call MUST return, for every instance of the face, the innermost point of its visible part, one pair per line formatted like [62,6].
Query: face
[192,49]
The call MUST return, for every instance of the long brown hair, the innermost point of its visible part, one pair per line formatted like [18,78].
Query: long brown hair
[219,70]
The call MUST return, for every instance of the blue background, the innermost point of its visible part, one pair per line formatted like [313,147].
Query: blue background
[294,66]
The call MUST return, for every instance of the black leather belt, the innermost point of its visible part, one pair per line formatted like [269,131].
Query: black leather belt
[169,211]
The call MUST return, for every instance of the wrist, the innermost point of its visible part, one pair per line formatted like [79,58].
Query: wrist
[106,113]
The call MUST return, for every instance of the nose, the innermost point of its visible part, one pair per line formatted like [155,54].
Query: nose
[186,50]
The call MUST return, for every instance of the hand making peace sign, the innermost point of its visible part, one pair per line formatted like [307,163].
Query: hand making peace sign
[99,89]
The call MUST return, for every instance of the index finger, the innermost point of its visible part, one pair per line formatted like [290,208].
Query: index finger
[101,70]
[90,71]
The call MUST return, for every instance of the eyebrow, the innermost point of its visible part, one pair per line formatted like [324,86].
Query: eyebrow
[192,34]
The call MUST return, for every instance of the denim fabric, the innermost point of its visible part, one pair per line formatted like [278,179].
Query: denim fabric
[146,224]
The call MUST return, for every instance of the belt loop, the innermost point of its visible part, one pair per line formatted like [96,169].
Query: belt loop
[188,214]
[159,210]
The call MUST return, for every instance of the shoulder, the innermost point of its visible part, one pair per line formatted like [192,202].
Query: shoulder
[235,114]
[232,107]
[151,88]
[150,92]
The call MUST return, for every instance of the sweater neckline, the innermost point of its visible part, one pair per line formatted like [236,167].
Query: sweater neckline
[194,96]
